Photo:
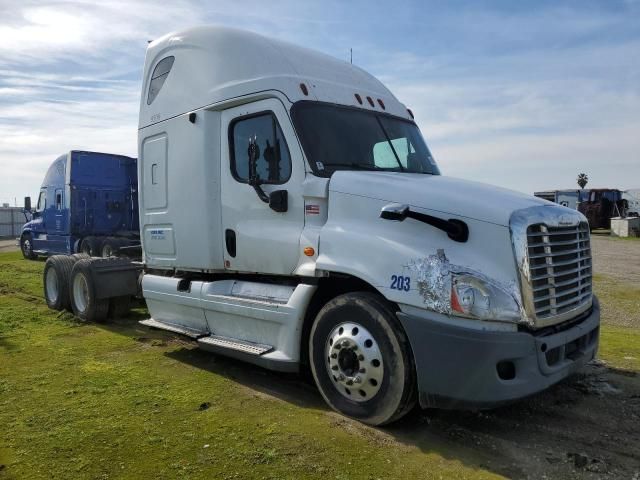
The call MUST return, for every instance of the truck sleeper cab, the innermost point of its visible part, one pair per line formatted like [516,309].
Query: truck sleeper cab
[292,215]
[88,202]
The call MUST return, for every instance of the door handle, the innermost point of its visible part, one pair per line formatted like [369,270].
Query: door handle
[230,241]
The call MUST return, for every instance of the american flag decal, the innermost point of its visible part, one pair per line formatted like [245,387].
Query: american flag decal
[312,209]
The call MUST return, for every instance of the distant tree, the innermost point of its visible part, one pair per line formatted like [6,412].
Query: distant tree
[583,179]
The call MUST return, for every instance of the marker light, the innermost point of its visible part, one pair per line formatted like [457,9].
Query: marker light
[309,251]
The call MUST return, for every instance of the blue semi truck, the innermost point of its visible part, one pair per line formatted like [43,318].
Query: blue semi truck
[88,203]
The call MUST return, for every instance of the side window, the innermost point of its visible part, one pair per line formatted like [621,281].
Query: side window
[158,77]
[274,161]
[383,153]
[42,201]
[58,199]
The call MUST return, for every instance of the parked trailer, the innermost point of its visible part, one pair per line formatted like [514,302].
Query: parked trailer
[88,203]
[566,198]
[291,215]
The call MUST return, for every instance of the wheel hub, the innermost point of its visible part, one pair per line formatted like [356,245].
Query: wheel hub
[52,285]
[354,361]
[80,292]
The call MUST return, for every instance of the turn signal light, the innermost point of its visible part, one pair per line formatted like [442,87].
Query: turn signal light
[309,251]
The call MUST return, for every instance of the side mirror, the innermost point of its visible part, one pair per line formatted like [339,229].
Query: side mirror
[394,211]
[27,204]
[279,201]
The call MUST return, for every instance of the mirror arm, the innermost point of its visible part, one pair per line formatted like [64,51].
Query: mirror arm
[261,193]
[456,230]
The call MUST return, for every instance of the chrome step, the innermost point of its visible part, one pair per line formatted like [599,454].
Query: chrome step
[189,332]
[235,344]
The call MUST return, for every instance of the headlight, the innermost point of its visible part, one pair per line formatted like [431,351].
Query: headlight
[479,298]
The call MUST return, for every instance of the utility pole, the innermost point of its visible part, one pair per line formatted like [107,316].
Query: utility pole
[351,55]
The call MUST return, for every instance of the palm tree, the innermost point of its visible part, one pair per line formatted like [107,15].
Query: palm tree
[583,179]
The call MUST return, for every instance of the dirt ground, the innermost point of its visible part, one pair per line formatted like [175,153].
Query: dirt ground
[585,428]
[8,245]
[617,257]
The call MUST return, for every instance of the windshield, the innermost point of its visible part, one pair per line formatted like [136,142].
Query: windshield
[344,138]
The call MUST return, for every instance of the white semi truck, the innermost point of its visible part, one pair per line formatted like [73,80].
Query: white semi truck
[291,215]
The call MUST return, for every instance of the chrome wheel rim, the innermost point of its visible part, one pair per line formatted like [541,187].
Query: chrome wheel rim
[354,362]
[26,247]
[51,280]
[80,292]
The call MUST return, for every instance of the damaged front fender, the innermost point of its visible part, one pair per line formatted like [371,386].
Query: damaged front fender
[457,290]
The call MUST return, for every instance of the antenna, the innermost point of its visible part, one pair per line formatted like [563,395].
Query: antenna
[351,55]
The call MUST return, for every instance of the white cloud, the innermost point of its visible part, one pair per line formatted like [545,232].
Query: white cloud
[524,100]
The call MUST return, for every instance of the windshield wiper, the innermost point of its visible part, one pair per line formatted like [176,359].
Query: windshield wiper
[358,166]
[393,149]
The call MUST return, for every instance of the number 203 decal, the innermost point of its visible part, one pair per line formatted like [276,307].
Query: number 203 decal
[399,282]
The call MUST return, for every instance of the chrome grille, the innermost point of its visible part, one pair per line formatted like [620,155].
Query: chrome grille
[559,268]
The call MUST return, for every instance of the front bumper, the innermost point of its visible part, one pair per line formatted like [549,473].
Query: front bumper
[463,368]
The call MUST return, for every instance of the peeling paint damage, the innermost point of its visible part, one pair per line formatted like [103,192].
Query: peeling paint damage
[434,281]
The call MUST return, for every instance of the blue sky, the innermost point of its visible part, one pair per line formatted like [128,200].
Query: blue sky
[521,94]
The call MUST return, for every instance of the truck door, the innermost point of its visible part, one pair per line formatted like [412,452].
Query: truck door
[255,237]
[57,224]
[38,226]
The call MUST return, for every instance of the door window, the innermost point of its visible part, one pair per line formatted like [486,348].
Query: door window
[58,199]
[273,162]
[42,201]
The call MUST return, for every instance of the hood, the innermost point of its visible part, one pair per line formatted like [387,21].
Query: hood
[447,195]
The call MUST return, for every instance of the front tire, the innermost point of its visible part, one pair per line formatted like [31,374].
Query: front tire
[84,303]
[361,359]
[26,246]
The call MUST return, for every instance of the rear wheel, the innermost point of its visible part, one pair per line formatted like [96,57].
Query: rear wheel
[56,275]
[90,246]
[84,303]
[26,245]
[110,247]
[361,359]
[119,307]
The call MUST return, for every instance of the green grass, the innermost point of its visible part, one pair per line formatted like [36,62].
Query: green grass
[120,401]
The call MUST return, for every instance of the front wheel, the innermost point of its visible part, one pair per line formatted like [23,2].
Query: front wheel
[26,246]
[361,359]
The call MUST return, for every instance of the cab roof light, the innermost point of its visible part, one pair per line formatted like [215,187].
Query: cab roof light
[358,98]
[370,100]
[304,89]
[381,103]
